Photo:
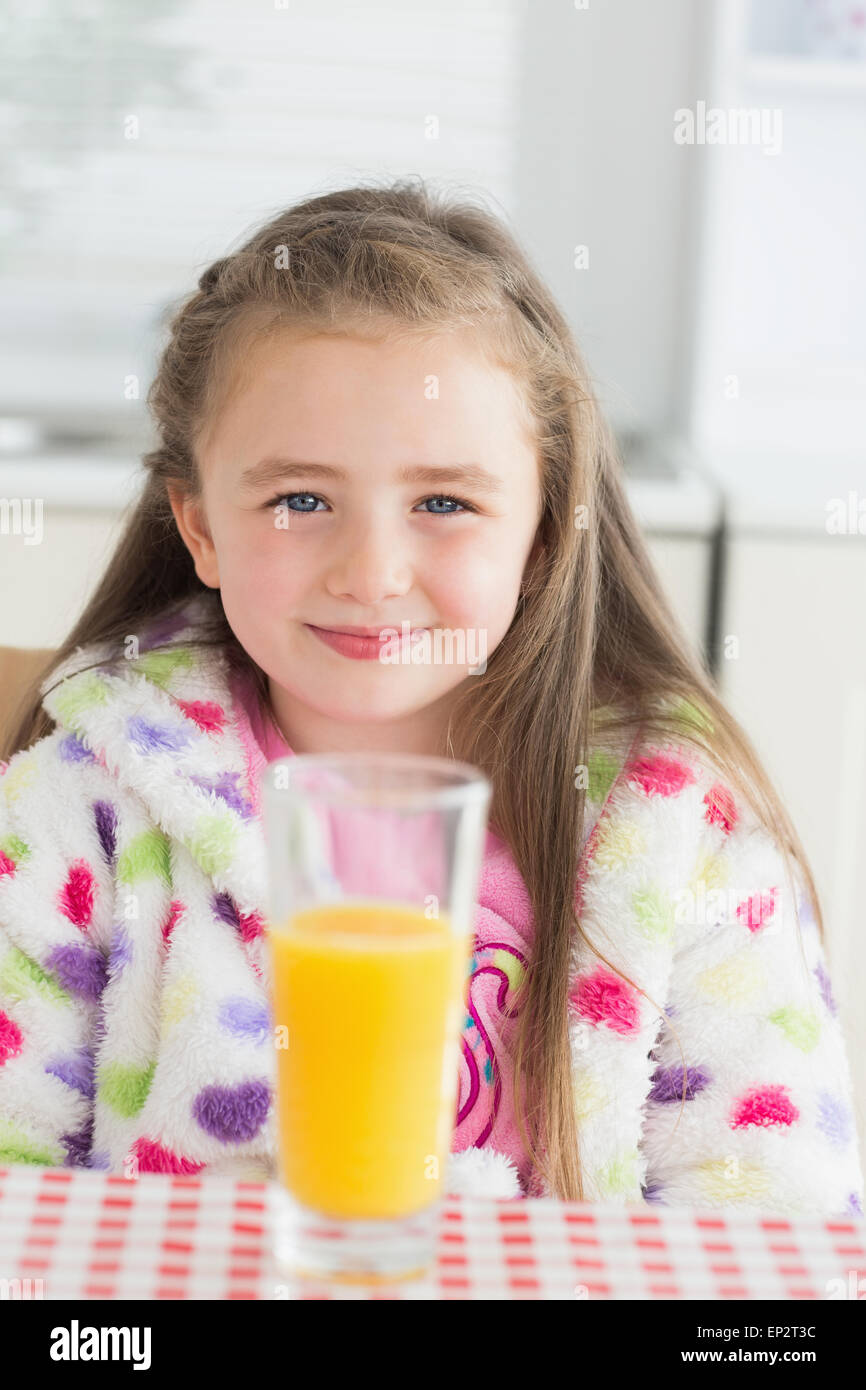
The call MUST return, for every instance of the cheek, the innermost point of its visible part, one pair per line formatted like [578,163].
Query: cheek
[255,559]
[473,587]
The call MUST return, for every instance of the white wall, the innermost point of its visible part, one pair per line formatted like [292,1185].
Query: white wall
[780,347]
[597,166]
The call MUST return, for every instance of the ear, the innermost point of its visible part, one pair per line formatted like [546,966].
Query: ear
[189,515]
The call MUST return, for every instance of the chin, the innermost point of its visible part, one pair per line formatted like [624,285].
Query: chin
[354,712]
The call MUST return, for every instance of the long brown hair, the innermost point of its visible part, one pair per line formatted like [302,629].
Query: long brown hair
[593,647]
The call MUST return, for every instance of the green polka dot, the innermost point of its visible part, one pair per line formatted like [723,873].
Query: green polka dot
[800,1026]
[21,976]
[512,968]
[600,715]
[654,911]
[125,1088]
[77,694]
[17,1147]
[602,769]
[213,843]
[690,715]
[146,856]
[161,667]
[14,849]
[736,980]
[620,1175]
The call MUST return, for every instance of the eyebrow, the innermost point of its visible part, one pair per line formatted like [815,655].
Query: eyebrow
[277,470]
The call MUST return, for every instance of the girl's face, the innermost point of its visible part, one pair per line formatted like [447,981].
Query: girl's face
[324,486]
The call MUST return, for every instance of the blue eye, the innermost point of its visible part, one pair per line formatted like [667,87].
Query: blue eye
[456,501]
[287,498]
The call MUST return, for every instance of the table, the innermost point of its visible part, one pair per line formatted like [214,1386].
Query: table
[90,1235]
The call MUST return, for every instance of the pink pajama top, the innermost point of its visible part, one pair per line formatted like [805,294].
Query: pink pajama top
[503,922]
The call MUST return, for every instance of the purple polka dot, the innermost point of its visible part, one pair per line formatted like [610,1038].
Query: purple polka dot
[652,1192]
[225,909]
[163,629]
[834,1119]
[667,1085]
[75,1069]
[244,1018]
[72,750]
[227,789]
[157,738]
[233,1114]
[77,1146]
[100,1158]
[854,1206]
[80,970]
[804,908]
[121,950]
[105,817]
[826,989]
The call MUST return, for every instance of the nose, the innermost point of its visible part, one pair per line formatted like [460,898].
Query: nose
[369,564]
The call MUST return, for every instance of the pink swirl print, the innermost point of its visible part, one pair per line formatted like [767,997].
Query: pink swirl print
[490,1026]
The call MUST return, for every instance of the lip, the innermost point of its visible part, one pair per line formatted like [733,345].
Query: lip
[360,644]
[358,631]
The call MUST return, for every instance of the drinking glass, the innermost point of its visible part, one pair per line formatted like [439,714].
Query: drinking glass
[373,871]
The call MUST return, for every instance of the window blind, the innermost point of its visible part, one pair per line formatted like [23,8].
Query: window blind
[142,141]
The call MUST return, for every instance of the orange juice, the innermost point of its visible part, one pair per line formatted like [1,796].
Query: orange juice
[372,996]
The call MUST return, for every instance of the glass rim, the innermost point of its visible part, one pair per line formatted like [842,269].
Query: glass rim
[462,784]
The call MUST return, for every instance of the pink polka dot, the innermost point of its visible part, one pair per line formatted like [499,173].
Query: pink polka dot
[175,910]
[7,865]
[764,1105]
[721,808]
[660,774]
[208,715]
[603,997]
[11,1038]
[75,898]
[155,1158]
[251,925]
[757,910]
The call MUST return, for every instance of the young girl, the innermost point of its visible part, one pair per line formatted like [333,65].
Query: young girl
[373,414]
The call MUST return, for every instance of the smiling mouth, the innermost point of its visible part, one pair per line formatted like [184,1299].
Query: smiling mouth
[365,631]
[360,646]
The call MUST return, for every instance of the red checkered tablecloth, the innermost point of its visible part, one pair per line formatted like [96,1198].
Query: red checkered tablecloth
[77,1234]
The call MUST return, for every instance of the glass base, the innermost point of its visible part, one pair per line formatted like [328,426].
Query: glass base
[310,1245]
